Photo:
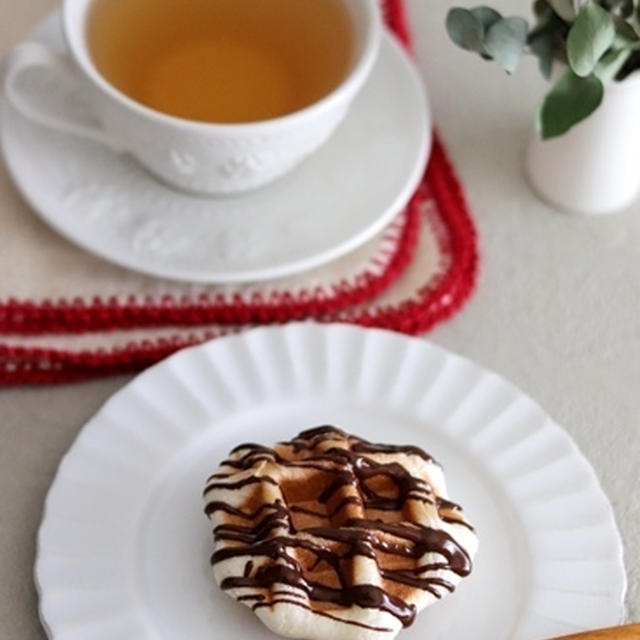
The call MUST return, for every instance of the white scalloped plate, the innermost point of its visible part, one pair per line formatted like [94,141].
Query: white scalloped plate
[124,545]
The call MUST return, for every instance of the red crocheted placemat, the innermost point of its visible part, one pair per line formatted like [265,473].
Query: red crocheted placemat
[128,335]
[383,262]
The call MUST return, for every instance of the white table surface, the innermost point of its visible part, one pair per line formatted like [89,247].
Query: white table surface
[557,308]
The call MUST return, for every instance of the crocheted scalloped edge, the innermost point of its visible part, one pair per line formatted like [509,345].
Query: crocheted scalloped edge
[80,315]
[434,303]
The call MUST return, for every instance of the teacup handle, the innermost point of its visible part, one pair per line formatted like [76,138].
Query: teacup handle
[29,55]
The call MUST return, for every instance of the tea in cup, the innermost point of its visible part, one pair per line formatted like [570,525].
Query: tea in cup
[212,96]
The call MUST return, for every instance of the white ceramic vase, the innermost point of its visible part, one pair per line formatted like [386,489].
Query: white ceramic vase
[594,168]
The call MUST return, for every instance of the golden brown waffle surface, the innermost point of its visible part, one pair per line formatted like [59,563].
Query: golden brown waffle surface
[330,534]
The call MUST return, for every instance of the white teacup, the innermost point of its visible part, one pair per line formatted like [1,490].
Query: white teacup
[200,157]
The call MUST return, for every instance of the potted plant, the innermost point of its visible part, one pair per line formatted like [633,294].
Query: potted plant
[585,153]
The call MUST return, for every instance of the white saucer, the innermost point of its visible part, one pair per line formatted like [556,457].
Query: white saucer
[124,546]
[337,200]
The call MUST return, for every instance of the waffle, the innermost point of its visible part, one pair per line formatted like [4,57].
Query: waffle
[331,536]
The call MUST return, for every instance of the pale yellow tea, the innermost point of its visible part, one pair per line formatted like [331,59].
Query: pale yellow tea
[222,61]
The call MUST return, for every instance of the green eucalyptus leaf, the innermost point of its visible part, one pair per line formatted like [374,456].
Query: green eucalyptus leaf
[589,38]
[486,16]
[610,64]
[547,18]
[634,22]
[465,30]
[566,9]
[570,101]
[505,41]
[624,10]
[625,33]
[542,45]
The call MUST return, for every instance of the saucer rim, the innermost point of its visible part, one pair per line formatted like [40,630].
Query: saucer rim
[229,277]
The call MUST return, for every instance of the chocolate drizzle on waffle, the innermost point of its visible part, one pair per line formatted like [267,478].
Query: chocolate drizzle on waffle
[351,488]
